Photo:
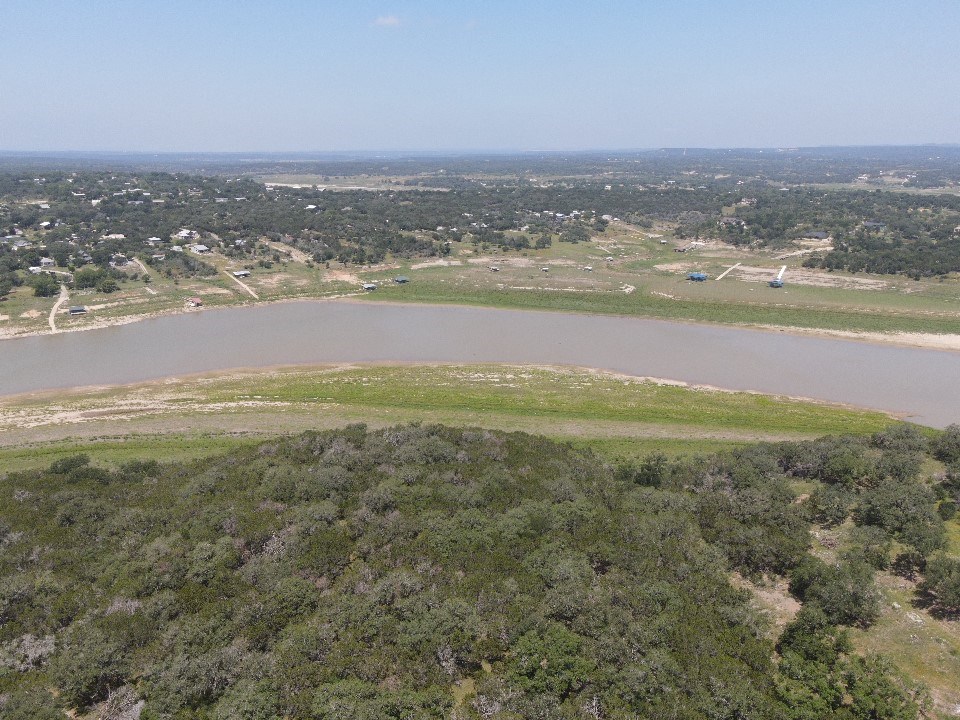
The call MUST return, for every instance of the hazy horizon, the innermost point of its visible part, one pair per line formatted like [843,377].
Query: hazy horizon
[463,77]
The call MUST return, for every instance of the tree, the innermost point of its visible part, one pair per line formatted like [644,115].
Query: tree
[905,510]
[946,446]
[45,285]
[107,285]
[845,592]
[941,581]
[88,277]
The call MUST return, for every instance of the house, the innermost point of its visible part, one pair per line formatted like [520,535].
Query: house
[47,262]
[200,249]
[35,269]
[817,235]
[401,279]
[194,302]
[119,261]
[78,310]
[241,273]
[369,286]
[158,256]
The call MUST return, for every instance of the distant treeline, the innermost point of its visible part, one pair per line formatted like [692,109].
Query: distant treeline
[876,231]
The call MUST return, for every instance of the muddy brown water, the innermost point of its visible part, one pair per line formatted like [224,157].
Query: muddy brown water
[921,384]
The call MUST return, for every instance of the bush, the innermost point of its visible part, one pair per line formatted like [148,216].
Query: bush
[909,564]
[905,510]
[829,504]
[68,464]
[844,592]
[91,663]
[872,545]
[946,446]
[947,510]
[941,580]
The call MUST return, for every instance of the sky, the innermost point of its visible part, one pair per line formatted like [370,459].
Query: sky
[481,75]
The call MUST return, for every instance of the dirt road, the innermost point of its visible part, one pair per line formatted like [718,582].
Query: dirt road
[242,284]
[145,272]
[64,296]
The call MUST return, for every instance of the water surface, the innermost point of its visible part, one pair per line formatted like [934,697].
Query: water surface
[922,384]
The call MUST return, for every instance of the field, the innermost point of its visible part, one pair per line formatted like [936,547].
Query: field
[634,273]
[626,271]
[618,416]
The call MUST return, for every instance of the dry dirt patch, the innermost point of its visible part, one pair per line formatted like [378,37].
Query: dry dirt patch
[343,276]
[808,277]
[674,267]
[440,262]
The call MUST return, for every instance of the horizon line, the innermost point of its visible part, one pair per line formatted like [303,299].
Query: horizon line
[482,151]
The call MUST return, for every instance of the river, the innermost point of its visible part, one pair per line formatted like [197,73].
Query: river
[921,384]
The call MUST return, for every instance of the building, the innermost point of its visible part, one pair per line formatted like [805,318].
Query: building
[369,286]
[47,262]
[401,279]
[194,302]
[241,273]
[78,310]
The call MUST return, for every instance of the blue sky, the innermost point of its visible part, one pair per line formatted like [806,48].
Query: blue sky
[298,75]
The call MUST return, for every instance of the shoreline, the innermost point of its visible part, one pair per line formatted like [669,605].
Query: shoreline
[928,341]
[149,401]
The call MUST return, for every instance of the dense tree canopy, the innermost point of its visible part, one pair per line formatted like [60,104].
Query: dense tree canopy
[429,572]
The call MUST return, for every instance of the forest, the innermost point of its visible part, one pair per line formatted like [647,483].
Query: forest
[433,572]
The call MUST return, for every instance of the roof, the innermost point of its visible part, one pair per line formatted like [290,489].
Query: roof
[401,279]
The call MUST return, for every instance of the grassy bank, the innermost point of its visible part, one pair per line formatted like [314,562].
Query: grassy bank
[614,415]
[643,303]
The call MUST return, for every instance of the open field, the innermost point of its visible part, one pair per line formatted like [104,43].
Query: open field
[633,273]
[343,182]
[615,415]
